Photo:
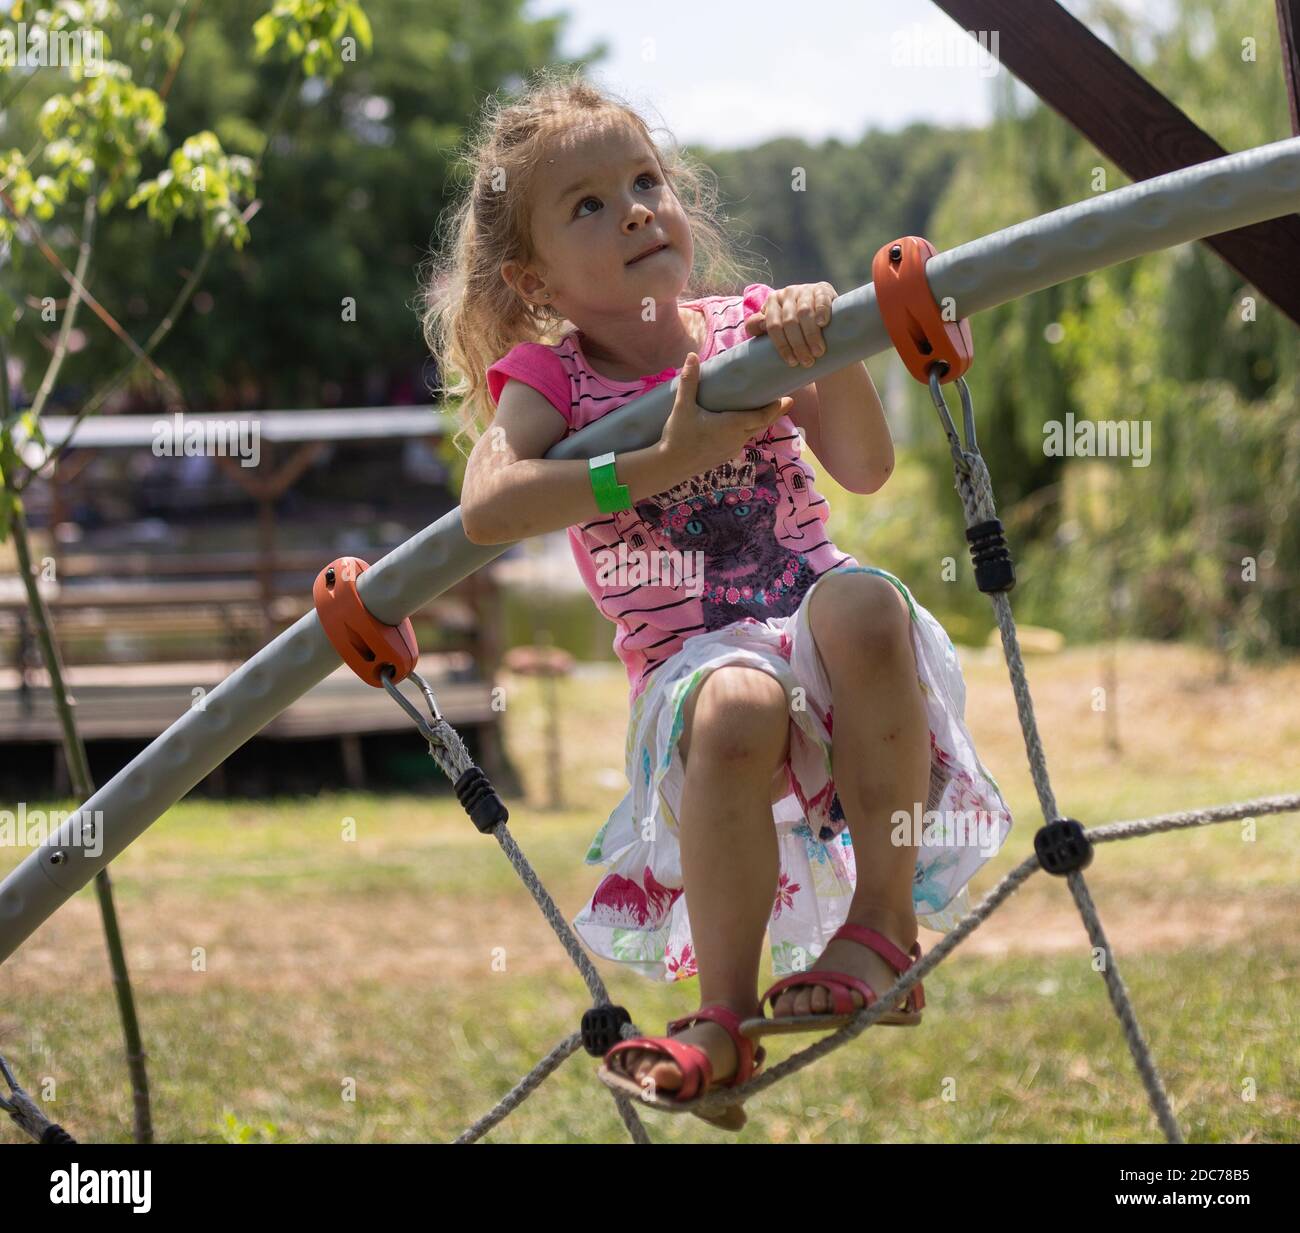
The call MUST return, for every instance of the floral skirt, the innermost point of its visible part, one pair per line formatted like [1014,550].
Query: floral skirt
[637,914]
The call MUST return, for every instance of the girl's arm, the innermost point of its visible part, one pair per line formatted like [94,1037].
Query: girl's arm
[512,492]
[844,426]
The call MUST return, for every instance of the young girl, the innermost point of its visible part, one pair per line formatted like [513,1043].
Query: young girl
[747,635]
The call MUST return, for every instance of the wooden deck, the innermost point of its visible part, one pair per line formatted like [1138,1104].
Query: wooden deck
[120,706]
[163,595]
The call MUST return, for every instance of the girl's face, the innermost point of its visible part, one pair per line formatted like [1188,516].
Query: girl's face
[599,202]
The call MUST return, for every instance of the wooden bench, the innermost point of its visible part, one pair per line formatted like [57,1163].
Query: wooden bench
[156,613]
[160,629]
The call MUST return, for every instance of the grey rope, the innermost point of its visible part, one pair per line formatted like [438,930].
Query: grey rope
[1119,999]
[976,490]
[27,1114]
[525,1087]
[1195,817]
[1110,971]
[449,752]
[975,487]
[1010,883]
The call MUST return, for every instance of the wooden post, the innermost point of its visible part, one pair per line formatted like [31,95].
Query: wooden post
[266,492]
[62,780]
[266,562]
[551,703]
[354,766]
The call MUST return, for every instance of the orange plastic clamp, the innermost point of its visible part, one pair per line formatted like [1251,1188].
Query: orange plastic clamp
[364,643]
[913,318]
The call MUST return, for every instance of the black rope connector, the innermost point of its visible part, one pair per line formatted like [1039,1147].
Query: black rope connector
[479,799]
[1062,847]
[602,1028]
[994,569]
[54,1133]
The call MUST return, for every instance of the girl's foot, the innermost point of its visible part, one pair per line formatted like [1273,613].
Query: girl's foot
[645,1066]
[854,959]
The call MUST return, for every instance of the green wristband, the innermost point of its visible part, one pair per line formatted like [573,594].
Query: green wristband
[611,496]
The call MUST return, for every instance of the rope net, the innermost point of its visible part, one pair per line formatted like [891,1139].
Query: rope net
[993,570]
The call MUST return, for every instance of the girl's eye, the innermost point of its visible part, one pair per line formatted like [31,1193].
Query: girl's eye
[645,175]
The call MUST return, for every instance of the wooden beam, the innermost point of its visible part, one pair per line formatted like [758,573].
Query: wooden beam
[1288,25]
[1130,122]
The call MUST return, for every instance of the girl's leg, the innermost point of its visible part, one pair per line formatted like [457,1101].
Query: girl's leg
[736,733]
[880,759]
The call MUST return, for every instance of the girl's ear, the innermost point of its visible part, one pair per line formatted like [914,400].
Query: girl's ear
[516,277]
[524,283]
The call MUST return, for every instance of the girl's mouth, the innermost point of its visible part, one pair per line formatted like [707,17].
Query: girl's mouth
[644,256]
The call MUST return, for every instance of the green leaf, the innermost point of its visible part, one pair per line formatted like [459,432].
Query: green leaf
[361,24]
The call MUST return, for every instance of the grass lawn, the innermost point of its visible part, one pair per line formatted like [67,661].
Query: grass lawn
[409,969]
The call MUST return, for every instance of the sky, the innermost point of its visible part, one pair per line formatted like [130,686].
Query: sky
[733,75]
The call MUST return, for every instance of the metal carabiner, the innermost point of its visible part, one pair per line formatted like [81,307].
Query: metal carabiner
[936,371]
[386,675]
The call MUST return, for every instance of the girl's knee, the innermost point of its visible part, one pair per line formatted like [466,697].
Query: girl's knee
[859,614]
[737,715]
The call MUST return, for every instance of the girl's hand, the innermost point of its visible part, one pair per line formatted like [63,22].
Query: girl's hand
[693,440]
[792,318]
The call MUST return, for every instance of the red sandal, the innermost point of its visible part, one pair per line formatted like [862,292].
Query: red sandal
[838,984]
[697,1071]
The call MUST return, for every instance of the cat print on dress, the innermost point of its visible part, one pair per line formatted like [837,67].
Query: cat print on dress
[728,520]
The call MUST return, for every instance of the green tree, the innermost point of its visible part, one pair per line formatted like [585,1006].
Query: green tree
[1202,543]
[365,167]
[94,130]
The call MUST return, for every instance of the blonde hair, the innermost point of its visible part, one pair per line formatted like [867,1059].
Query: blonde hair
[469,315]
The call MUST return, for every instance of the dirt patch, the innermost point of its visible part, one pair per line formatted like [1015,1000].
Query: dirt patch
[314,943]
[1137,929]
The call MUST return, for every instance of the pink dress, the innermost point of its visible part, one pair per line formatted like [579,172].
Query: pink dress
[719,569]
